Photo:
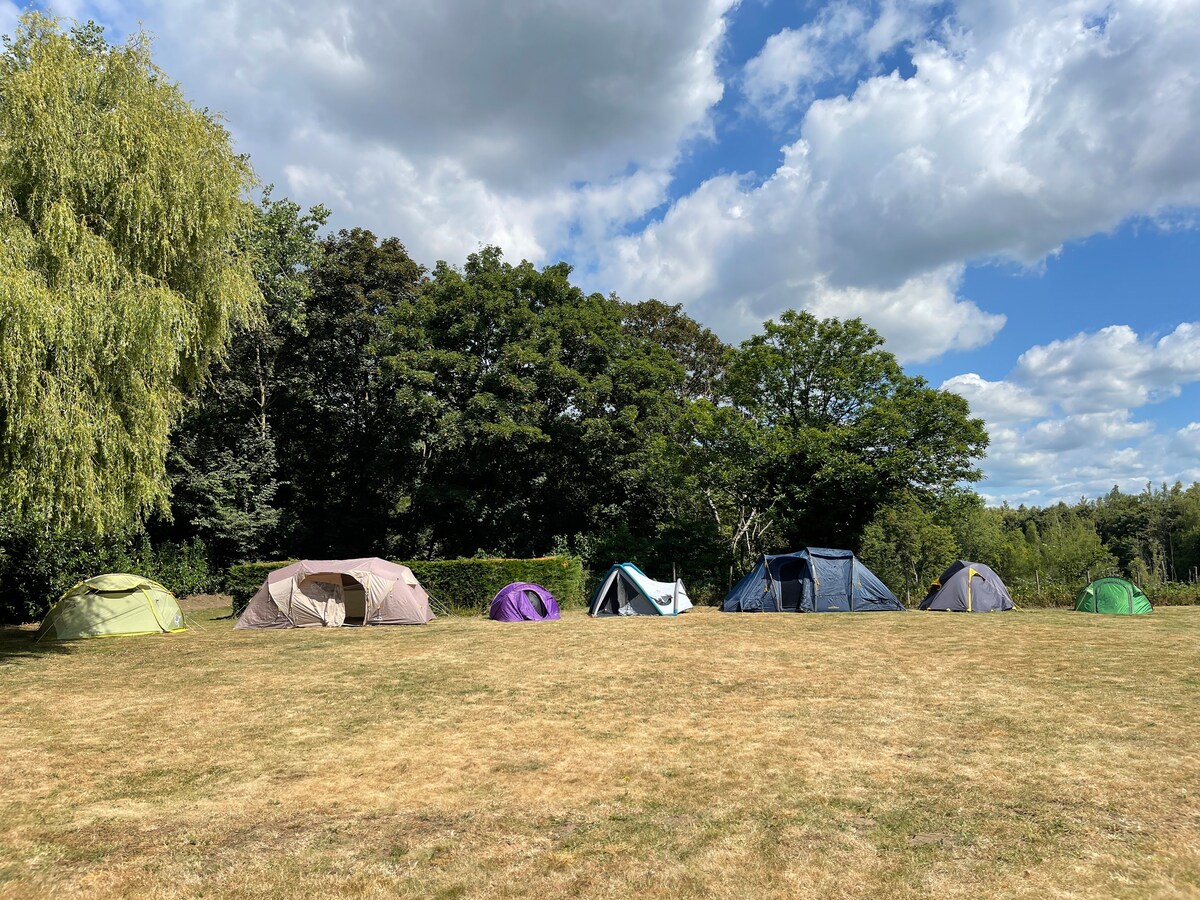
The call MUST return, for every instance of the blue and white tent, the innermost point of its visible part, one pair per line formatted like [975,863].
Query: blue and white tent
[625,590]
[814,579]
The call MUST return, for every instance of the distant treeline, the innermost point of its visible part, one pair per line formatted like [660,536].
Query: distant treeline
[1047,554]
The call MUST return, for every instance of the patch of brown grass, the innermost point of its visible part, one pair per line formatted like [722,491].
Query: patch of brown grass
[1026,754]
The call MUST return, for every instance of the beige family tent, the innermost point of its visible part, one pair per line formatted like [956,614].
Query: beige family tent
[334,592]
[114,605]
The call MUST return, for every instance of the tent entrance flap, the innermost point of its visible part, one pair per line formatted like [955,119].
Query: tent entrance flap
[354,597]
[789,576]
[319,601]
[536,602]
[630,600]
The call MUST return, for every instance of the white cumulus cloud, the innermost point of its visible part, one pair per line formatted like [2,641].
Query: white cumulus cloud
[1113,367]
[556,128]
[1063,425]
[459,122]
[1026,125]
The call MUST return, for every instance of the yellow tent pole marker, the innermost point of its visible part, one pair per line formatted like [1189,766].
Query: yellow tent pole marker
[101,637]
[971,573]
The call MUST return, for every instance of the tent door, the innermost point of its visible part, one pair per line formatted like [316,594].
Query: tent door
[633,602]
[536,602]
[354,596]
[611,596]
[791,578]
[625,594]
[318,600]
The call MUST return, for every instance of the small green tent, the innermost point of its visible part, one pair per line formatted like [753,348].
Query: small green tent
[1112,595]
[112,606]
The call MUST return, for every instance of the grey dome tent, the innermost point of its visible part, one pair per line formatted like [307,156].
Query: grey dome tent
[815,579]
[625,590]
[968,587]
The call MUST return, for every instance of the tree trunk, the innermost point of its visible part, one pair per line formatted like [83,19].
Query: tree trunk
[262,393]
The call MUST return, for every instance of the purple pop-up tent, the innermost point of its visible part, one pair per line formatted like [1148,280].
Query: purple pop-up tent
[523,602]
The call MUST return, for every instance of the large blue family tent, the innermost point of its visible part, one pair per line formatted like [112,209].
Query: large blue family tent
[814,579]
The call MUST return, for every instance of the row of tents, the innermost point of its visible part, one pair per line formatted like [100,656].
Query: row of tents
[372,591]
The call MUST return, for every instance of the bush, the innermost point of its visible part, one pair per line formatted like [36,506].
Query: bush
[37,568]
[1048,595]
[1062,595]
[467,586]
[1173,593]
[462,586]
[182,568]
[243,580]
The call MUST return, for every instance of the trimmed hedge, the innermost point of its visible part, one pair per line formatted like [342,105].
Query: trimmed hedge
[464,586]
[243,581]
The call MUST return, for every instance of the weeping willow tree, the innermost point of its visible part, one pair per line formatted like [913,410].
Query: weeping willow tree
[121,276]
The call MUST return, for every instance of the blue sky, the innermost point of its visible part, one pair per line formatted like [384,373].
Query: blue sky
[1006,190]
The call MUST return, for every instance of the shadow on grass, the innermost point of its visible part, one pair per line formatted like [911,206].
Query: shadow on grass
[17,643]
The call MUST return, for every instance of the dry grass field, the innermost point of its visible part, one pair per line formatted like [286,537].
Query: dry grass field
[1038,753]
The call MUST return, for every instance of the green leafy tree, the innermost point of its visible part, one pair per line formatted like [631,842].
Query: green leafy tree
[695,348]
[730,458]
[907,544]
[534,410]
[1069,549]
[223,462]
[854,431]
[121,275]
[978,529]
[340,443]
[1188,554]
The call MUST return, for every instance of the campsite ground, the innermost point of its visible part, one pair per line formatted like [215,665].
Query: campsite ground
[1032,753]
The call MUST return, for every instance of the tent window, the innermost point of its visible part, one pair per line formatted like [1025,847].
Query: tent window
[536,602]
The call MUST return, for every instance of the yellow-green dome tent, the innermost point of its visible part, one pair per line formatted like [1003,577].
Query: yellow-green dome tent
[112,606]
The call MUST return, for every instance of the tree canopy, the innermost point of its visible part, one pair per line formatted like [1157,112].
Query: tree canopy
[122,272]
